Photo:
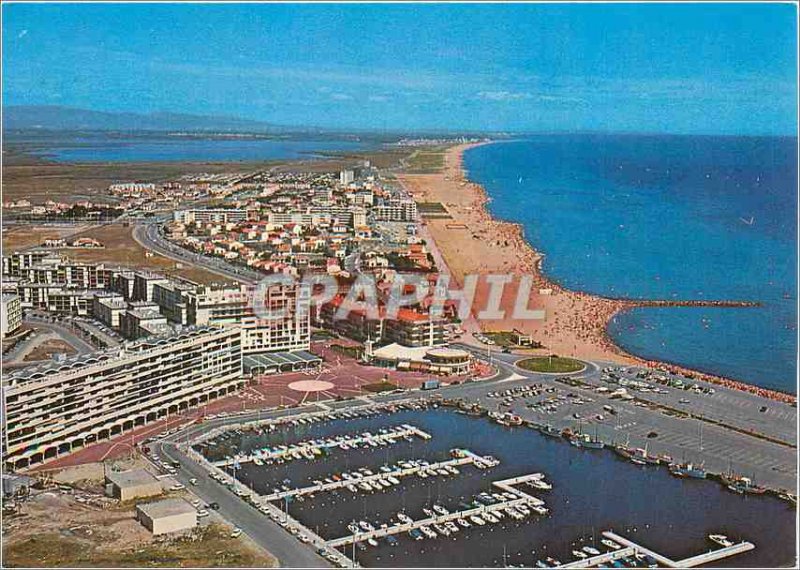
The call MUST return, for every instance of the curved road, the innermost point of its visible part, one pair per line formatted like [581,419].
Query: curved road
[149,237]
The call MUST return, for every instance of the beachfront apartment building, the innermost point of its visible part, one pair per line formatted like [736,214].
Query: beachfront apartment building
[56,408]
[414,329]
[408,327]
[404,210]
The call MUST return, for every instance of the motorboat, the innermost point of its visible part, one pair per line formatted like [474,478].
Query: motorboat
[720,539]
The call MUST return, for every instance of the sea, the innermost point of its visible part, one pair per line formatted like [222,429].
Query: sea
[593,491]
[102,147]
[665,217]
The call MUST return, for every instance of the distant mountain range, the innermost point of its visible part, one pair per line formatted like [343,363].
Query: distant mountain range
[57,118]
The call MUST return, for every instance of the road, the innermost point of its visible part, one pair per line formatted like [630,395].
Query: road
[80,345]
[263,531]
[769,463]
[149,237]
[93,329]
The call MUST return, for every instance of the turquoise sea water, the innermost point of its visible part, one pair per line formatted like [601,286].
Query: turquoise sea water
[666,217]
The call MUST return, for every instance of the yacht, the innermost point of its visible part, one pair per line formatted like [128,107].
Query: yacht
[441,510]
[427,531]
[441,529]
[720,539]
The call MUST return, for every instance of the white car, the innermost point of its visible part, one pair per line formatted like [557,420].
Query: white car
[202,513]
[193,481]
[177,487]
[236,533]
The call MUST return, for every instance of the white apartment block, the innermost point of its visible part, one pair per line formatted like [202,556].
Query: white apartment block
[396,211]
[55,409]
[211,216]
[10,314]
[235,305]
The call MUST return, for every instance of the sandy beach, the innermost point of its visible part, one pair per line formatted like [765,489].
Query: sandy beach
[471,242]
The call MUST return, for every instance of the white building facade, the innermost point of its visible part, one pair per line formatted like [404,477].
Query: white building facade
[55,409]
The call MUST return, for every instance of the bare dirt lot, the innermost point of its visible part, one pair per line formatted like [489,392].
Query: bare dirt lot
[23,236]
[121,249]
[48,349]
[79,527]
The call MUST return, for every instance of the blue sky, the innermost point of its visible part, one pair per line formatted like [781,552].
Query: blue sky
[702,68]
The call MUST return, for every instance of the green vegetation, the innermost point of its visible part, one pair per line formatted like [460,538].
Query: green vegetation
[351,351]
[505,338]
[553,364]
[433,210]
[382,386]
[209,546]
[426,160]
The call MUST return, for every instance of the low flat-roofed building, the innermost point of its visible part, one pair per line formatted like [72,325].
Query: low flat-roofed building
[133,484]
[164,517]
[521,338]
[436,360]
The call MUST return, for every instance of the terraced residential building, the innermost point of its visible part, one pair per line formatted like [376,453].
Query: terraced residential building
[57,408]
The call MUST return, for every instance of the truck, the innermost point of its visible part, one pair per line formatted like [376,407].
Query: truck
[431,384]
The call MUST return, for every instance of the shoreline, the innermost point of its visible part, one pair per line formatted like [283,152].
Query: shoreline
[576,324]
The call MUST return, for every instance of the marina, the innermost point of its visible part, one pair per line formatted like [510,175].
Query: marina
[477,515]
[644,556]
[367,482]
[511,487]
[311,449]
